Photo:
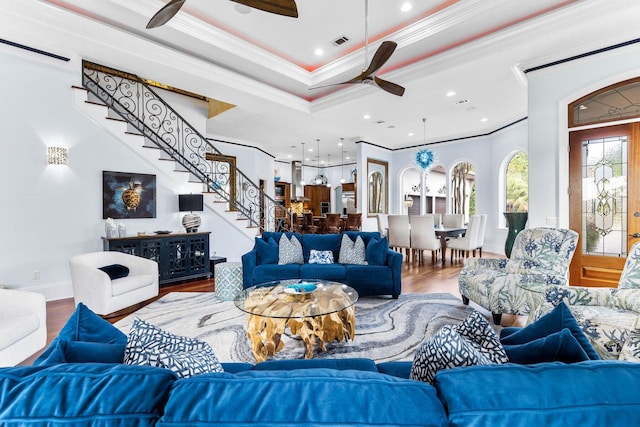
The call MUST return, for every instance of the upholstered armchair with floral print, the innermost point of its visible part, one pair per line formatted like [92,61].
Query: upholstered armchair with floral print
[610,317]
[540,257]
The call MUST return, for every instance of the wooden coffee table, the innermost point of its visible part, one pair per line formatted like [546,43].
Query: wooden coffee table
[323,315]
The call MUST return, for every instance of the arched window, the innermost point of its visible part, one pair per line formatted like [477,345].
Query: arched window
[463,180]
[517,184]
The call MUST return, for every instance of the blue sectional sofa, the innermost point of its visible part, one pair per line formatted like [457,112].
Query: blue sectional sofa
[343,392]
[382,275]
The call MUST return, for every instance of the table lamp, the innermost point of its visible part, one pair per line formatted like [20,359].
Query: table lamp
[190,203]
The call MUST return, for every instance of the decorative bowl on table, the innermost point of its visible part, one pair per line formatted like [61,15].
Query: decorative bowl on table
[303,288]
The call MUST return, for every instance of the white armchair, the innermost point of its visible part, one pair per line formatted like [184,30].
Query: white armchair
[95,289]
[23,325]
[540,257]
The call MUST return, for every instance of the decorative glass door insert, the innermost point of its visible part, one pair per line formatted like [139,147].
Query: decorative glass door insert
[604,196]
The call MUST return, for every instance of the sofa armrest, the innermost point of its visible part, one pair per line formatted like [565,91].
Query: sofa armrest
[248,264]
[394,261]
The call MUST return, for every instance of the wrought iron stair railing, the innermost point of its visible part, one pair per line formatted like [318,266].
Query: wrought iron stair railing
[137,103]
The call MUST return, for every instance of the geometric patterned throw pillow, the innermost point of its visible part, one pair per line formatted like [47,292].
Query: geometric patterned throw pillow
[466,344]
[149,345]
[290,251]
[352,252]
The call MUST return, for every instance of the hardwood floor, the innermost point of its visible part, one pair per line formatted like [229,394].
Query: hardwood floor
[426,277]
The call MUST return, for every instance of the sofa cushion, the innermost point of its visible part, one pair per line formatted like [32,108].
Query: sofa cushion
[83,394]
[320,242]
[365,235]
[373,277]
[335,272]
[331,398]
[115,271]
[352,252]
[595,393]
[85,326]
[376,251]
[558,347]
[149,345]
[320,257]
[277,235]
[555,321]
[271,272]
[266,251]
[356,363]
[87,352]
[290,251]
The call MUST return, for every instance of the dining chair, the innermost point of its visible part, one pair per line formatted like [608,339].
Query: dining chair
[333,223]
[452,220]
[468,242]
[309,226]
[399,233]
[383,224]
[483,228]
[354,221]
[423,237]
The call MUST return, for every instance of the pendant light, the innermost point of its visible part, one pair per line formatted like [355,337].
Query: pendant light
[342,180]
[302,167]
[328,169]
[318,179]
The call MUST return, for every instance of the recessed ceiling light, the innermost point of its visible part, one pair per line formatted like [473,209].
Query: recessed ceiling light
[406,7]
[347,158]
[289,156]
[319,51]
[410,134]
[451,93]
[366,117]
[240,8]
[484,119]
[310,150]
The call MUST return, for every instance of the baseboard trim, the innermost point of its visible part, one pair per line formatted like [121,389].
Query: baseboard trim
[52,291]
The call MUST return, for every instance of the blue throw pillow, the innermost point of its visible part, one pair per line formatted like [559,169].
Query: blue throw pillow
[83,325]
[92,352]
[555,321]
[115,271]
[558,347]
[376,252]
[266,251]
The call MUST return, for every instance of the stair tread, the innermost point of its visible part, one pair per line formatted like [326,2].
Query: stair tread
[79,87]
[116,119]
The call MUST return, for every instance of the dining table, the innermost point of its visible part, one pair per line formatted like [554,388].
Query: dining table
[443,232]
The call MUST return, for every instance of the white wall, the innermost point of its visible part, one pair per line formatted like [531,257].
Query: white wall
[550,92]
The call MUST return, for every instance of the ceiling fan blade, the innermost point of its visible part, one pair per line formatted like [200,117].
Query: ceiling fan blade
[353,81]
[389,86]
[279,7]
[165,14]
[381,56]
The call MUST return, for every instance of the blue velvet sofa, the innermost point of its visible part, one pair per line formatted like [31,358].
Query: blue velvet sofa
[382,275]
[344,392]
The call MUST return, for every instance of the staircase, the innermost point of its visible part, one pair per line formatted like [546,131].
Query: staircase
[138,116]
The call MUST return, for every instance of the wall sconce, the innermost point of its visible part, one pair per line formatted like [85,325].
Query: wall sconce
[56,155]
[191,203]
[408,201]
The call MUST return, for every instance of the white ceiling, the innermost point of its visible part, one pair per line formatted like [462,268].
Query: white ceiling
[265,63]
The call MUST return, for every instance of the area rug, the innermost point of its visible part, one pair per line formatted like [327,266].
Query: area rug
[386,329]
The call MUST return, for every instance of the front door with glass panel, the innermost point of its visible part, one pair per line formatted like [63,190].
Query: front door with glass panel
[604,209]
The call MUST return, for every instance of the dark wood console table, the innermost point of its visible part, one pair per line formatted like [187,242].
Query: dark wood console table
[180,256]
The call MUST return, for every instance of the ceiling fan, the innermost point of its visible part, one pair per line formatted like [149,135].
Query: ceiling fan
[279,7]
[381,56]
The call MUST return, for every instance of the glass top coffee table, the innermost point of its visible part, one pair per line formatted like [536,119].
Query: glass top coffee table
[316,310]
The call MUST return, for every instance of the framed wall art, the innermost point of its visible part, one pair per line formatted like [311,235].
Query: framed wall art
[128,195]
[378,187]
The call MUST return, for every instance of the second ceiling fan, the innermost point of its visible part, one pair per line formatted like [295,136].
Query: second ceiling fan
[279,7]
[382,55]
